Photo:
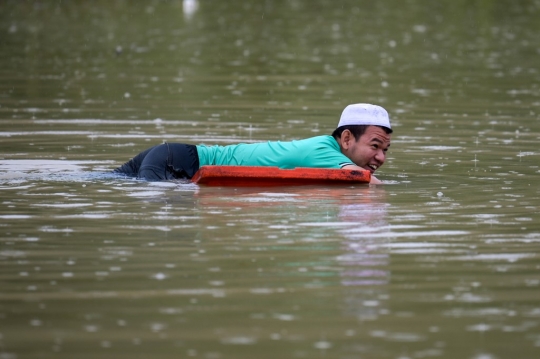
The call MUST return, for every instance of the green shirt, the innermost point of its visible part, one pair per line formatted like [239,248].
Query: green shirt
[314,152]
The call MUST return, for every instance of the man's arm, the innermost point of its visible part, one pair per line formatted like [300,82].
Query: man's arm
[374,180]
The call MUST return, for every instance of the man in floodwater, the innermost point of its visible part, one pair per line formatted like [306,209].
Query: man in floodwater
[361,139]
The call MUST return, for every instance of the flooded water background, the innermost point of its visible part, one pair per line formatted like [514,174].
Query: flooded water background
[442,261]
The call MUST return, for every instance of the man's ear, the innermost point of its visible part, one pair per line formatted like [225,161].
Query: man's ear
[346,138]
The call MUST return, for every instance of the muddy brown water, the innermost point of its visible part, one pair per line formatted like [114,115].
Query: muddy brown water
[442,261]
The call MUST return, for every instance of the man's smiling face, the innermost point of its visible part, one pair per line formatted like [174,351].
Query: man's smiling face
[369,151]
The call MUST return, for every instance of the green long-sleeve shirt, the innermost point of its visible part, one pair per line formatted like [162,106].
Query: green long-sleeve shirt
[314,152]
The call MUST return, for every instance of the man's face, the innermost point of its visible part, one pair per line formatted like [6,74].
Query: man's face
[369,152]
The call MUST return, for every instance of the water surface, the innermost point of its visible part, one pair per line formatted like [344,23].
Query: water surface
[442,261]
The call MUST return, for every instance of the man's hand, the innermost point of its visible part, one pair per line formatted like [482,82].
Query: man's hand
[374,180]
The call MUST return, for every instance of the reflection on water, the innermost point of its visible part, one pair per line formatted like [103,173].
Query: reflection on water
[440,262]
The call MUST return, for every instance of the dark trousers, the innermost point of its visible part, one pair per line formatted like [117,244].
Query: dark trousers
[167,161]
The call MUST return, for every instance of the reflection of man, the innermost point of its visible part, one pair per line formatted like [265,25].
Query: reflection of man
[365,258]
[361,139]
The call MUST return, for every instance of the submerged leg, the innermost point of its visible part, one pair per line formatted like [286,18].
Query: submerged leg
[131,167]
[154,166]
[163,162]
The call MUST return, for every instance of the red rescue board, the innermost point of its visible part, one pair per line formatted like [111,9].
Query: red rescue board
[241,176]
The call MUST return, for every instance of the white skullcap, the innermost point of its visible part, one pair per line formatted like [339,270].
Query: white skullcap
[364,114]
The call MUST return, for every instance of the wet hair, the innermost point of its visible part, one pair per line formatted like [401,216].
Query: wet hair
[356,130]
